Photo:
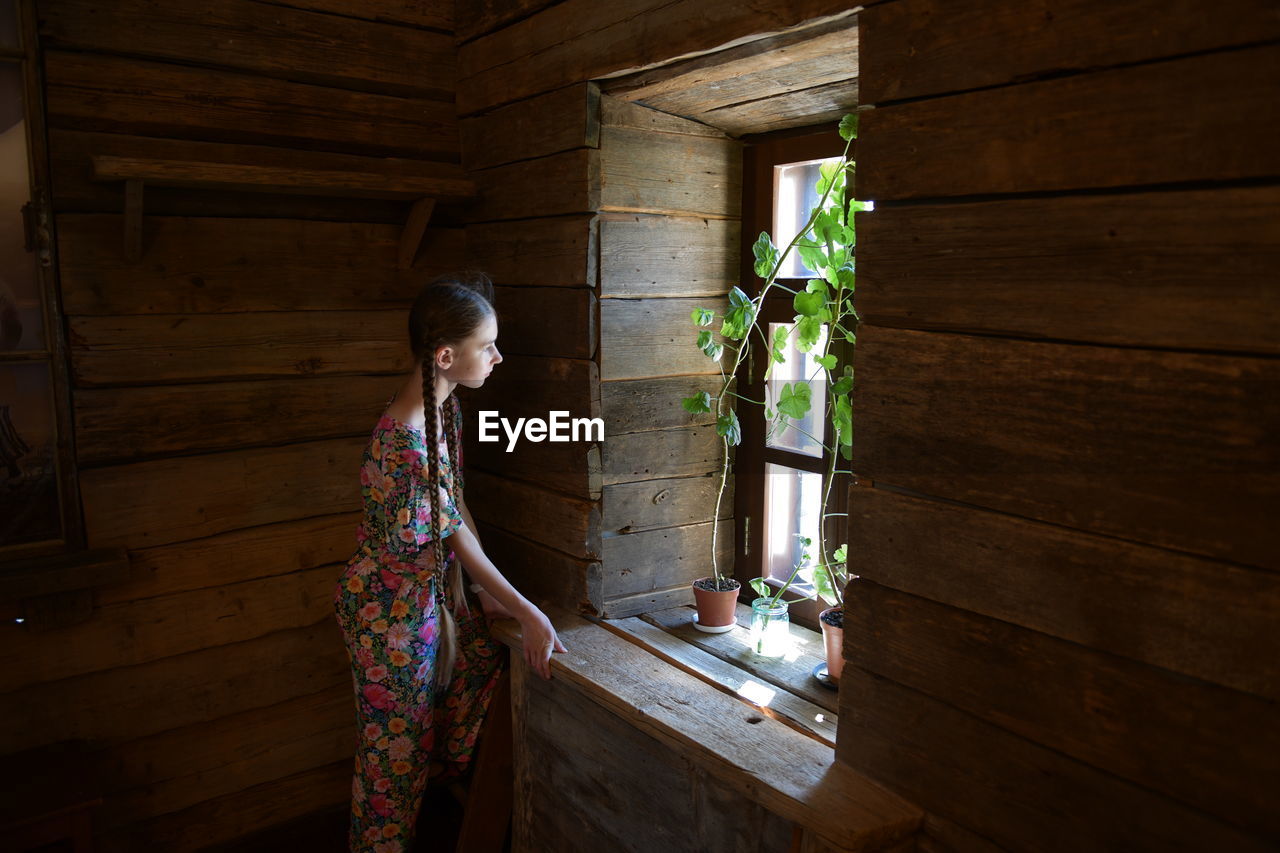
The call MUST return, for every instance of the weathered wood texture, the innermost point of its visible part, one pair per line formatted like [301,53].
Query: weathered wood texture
[544,575]
[104,93]
[1207,111]
[123,350]
[658,454]
[649,504]
[1089,705]
[1020,795]
[484,16]
[663,558]
[651,256]
[1173,449]
[928,47]
[1205,619]
[792,777]
[274,41]
[647,172]
[645,338]
[564,523]
[210,265]
[1195,270]
[429,14]
[558,121]
[559,184]
[583,40]
[117,425]
[558,252]
[801,108]
[547,321]
[638,405]
[171,500]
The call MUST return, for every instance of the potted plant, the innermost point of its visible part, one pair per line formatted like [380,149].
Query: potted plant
[824,315]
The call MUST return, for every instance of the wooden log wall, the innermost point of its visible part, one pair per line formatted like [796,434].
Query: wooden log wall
[1063,637]
[224,387]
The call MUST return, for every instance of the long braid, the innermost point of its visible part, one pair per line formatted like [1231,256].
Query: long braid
[448,645]
[451,409]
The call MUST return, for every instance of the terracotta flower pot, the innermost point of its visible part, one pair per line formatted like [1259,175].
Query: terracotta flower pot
[716,608]
[833,641]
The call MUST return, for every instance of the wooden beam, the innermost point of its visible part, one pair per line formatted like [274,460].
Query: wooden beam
[414,229]
[133,220]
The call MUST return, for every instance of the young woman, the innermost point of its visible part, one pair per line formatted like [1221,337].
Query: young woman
[424,664]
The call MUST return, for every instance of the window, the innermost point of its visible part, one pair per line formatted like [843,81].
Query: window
[38,501]
[779,473]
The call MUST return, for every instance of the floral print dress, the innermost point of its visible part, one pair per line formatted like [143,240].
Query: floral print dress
[388,604]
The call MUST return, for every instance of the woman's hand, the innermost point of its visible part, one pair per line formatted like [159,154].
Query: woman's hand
[539,640]
[491,607]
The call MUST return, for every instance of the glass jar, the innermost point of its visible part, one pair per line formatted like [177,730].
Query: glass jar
[770,628]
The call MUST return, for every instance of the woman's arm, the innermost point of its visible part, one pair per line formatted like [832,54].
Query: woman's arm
[488,603]
[539,637]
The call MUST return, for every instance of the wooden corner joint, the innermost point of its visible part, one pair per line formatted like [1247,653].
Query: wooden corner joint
[414,229]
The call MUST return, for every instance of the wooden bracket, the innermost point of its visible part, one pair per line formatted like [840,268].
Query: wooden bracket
[414,228]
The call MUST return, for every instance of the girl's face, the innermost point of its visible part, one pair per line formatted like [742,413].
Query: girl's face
[470,361]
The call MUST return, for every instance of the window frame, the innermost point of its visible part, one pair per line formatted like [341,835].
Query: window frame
[39,222]
[761,154]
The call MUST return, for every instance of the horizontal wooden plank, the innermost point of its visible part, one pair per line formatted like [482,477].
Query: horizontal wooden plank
[1209,747]
[824,104]
[128,702]
[622,606]
[416,13]
[1020,795]
[171,348]
[648,504]
[644,338]
[668,255]
[206,265]
[1208,111]
[638,405]
[792,674]
[1189,615]
[104,93]
[448,183]
[615,112]
[184,767]
[795,711]
[138,632]
[544,575]
[563,183]
[231,817]
[1186,269]
[483,16]
[172,500]
[547,321]
[583,40]
[558,121]
[567,524]
[272,40]
[653,560]
[670,173]
[927,48]
[128,424]
[723,735]
[1172,449]
[685,452]
[266,550]
[800,58]
[556,252]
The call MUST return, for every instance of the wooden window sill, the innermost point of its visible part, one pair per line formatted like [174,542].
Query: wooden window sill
[762,757]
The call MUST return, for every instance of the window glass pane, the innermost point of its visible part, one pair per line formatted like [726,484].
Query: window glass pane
[794,196]
[792,505]
[805,435]
[9,24]
[29,509]
[21,308]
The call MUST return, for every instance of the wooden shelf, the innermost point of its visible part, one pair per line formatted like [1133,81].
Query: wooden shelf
[422,182]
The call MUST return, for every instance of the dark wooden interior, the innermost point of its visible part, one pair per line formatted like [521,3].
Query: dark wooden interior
[1065,630]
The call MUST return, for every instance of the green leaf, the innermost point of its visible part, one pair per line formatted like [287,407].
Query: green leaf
[814,258]
[842,418]
[728,426]
[846,450]
[808,304]
[808,331]
[827,361]
[841,556]
[702,317]
[766,254]
[794,401]
[822,582]
[849,127]
[761,588]
[708,345]
[737,320]
[843,386]
[778,350]
[700,402]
